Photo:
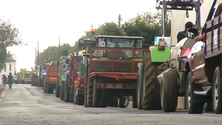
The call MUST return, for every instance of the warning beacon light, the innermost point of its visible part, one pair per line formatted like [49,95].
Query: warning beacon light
[93,30]
[84,51]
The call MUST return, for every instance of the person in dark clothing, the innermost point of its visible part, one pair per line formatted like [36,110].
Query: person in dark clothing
[10,80]
[182,34]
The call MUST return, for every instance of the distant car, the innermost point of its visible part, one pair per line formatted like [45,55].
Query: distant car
[14,79]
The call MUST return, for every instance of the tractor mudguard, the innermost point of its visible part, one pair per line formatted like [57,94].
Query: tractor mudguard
[161,78]
[159,55]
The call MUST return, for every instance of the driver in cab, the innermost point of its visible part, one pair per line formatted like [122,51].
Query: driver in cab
[182,34]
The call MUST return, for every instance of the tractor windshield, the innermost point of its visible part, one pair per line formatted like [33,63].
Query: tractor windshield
[116,42]
[122,42]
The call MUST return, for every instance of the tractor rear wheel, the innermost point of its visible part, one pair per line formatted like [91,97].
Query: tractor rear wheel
[124,102]
[39,83]
[139,88]
[49,89]
[151,86]
[217,91]
[67,90]
[85,91]
[192,106]
[169,91]
[36,82]
[90,92]
[62,91]
[99,95]
[71,95]
[74,95]
[134,104]
[57,87]
[45,87]
[208,107]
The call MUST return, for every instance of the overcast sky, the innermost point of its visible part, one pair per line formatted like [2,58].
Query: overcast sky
[47,20]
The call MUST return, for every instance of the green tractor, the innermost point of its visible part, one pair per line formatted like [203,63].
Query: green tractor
[148,87]
[63,68]
[81,81]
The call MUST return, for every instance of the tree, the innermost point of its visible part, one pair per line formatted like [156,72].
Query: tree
[9,36]
[109,28]
[147,25]
[52,52]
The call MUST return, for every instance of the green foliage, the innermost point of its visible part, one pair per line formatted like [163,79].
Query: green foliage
[9,36]
[2,56]
[110,28]
[52,52]
[147,25]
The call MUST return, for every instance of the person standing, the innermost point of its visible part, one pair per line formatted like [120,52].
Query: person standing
[10,80]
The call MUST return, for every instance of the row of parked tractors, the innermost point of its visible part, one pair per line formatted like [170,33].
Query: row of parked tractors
[110,69]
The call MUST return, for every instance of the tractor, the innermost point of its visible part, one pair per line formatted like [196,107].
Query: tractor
[111,70]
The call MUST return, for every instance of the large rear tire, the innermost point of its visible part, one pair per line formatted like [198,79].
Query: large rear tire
[36,82]
[71,95]
[134,104]
[57,87]
[139,88]
[67,90]
[90,92]
[169,91]
[45,87]
[151,86]
[85,91]
[74,95]
[39,83]
[62,91]
[99,96]
[192,106]
[208,107]
[217,91]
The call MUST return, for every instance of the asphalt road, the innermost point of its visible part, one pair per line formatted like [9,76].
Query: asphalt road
[29,105]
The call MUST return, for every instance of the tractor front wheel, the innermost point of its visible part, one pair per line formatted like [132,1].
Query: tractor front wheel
[169,91]
[192,106]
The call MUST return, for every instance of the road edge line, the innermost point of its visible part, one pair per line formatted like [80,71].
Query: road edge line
[3,93]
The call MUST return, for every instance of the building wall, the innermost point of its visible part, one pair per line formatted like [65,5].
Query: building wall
[8,70]
[179,18]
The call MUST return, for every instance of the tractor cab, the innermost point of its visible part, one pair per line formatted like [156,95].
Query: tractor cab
[105,43]
[85,44]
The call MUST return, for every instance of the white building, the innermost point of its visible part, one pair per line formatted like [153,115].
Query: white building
[179,19]
[9,68]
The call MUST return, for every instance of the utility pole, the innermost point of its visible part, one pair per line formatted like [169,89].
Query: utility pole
[59,47]
[35,56]
[198,22]
[38,52]
[164,19]
[119,20]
